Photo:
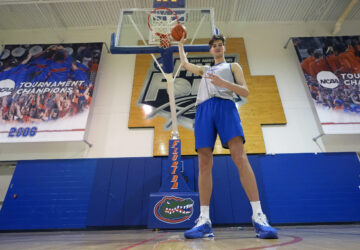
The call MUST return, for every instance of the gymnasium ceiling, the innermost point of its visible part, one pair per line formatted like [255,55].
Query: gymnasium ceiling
[38,14]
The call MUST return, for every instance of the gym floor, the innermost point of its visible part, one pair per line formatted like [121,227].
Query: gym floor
[291,237]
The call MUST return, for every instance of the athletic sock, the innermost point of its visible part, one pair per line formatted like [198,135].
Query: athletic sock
[204,214]
[256,207]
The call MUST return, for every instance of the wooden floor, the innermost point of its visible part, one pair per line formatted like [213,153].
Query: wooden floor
[291,237]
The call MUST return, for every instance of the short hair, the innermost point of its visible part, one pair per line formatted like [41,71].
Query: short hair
[310,51]
[317,54]
[215,38]
[59,56]
[13,62]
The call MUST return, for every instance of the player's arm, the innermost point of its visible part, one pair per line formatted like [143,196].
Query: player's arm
[27,59]
[18,111]
[199,70]
[239,87]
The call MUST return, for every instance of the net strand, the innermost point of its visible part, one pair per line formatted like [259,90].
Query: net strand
[165,41]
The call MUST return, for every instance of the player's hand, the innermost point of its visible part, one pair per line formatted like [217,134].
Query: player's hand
[216,80]
[51,47]
[182,40]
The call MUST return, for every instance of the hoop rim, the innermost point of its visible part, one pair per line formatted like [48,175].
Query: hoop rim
[161,8]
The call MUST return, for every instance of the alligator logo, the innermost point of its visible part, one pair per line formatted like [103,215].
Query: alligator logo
[172,210]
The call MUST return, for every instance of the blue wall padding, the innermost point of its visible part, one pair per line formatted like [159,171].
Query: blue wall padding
[294,188]
[222,209]
[189,163]
[51,195]
[308,188]
[99,193]
[124,186]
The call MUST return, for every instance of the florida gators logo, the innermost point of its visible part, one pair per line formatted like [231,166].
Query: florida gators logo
[172,210]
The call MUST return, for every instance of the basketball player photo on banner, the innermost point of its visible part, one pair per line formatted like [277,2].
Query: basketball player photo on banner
[331,67]
[46,91]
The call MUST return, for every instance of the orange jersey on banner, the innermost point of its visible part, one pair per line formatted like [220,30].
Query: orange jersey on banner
[318,66]
[355,64]
[333,62]
[305,65]
[344,62]
[350,49]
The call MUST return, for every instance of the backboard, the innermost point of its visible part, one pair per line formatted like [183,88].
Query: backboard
[139,32]
[133,33]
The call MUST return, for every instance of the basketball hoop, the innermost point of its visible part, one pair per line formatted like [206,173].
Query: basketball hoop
[160,21]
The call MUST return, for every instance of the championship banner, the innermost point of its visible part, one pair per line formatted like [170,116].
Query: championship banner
[46,91]
[331,66]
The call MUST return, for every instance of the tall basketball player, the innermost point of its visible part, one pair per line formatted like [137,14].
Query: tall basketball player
[216,113]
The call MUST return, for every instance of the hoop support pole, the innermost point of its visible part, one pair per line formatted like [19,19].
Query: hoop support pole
[170,83]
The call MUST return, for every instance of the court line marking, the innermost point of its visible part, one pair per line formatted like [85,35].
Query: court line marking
[339,123]
[296,239]
[320,232]
[143,241]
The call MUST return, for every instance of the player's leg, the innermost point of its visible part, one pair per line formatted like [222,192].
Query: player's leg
[205,136]
[232,136]
[246,173]
[248,181]
[205,157]
[203,229]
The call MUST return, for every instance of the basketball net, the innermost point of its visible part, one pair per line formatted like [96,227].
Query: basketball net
[160,21]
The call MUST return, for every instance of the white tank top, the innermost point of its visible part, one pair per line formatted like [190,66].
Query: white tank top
[208,90]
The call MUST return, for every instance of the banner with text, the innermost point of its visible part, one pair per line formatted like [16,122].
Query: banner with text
[46,91]
[331,66]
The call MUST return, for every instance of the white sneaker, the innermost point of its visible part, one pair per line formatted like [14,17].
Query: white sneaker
[202,229]
[262,227]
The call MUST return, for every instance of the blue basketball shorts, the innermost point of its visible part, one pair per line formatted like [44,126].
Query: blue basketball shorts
[216,116]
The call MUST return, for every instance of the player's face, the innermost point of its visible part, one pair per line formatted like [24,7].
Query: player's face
[66,103]
[217,49]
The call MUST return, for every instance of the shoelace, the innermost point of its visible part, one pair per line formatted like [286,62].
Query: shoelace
[199,221]
[261,219]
